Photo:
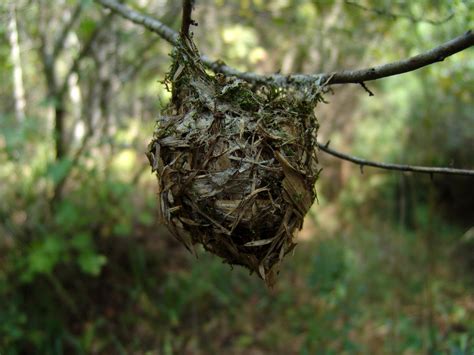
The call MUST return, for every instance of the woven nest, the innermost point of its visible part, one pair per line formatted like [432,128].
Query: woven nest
[236,164]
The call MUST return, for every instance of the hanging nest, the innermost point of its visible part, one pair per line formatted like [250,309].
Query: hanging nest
[236,164]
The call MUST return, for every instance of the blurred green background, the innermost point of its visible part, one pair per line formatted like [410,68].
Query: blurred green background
[385,261]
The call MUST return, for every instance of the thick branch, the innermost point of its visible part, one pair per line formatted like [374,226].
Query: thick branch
[434,55]
[397,167]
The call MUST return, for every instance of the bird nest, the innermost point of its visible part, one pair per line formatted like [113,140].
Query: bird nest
[236,163]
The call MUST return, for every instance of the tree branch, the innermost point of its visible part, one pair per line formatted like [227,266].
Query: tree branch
[59,44]
[397,167]
[139,62]
[434,55]
[148,22]
[437,54]
[187,20]
[83,53]
[394,16]
[59,186]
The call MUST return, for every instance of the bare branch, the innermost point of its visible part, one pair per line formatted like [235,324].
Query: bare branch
[59,185]
[437,54]
[84,52]
[148,22]
[434,55]
[394,15]
[46,59]
[187,20]
[397,167]
[366,88]
[139,62]
[59,44]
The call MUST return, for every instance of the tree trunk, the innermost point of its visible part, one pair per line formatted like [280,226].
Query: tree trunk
[59,129]
[18,89]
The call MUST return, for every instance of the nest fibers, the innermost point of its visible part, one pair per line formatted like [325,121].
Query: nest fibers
[236,164]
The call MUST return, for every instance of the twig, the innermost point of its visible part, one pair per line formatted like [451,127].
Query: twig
[148,22]
[437,54]
[398,167]
[394,16]
[59,186]
[434,55]
[366,88]
[84,52]
[59,44]
[139,62]
[187,21]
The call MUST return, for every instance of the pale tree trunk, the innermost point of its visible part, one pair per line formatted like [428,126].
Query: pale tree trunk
[18,89]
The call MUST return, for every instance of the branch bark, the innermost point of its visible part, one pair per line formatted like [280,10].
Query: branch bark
[434,55]
[397,167]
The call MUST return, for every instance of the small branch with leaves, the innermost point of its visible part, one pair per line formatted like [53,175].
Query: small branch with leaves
[358,76]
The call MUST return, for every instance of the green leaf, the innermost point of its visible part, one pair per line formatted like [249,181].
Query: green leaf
[49,102]
[82,242]
[58,170]
[87,26]
[146,218]
[123,229]
[68,216]
[91,263]
[44,256]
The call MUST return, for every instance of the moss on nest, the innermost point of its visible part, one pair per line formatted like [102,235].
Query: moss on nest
[236,164]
